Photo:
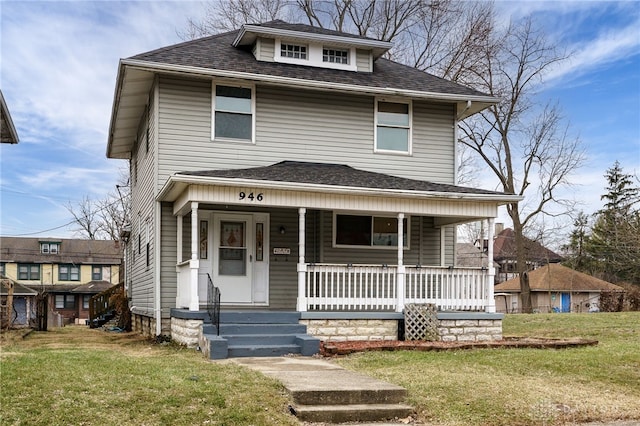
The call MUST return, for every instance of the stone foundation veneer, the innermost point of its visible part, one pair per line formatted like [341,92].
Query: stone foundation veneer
[186,331]
[353,326]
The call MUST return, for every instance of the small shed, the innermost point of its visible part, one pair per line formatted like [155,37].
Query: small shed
[23,306]
[554,288]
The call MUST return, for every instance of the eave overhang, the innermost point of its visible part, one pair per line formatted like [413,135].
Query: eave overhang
[135,78]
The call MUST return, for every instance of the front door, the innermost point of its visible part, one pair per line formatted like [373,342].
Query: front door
[566,302]
[239,261]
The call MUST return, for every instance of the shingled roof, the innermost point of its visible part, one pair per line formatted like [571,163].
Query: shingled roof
[555,277]
[334,175]
[76,251]
[504,248]
[217,53]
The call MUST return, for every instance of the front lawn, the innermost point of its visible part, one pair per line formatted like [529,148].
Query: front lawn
[523,386]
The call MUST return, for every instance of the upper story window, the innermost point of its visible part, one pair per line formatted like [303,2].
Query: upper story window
[96,273]
[233,113]
[295,51]
[393,127]
[49,248]
[28,272]
[69,273]
[368,231]
[335,56]
[3,269]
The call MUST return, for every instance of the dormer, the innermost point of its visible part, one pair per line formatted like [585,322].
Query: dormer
[279,41]
[50,247]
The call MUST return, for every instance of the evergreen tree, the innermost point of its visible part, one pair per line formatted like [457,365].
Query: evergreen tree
[615,236]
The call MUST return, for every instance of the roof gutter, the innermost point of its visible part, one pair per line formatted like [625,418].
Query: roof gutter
[337,189]
[306,84]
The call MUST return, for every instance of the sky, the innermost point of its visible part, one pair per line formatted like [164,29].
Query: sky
[59,59]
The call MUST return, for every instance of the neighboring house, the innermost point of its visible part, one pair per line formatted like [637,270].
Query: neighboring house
[302,172]
[469,255]
[504,253]
[8,133]
[70,271]
[23,306]
[554,288]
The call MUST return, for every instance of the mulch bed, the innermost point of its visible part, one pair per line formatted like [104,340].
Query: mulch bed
[330,349]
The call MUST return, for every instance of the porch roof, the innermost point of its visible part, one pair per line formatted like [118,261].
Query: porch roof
[332,186]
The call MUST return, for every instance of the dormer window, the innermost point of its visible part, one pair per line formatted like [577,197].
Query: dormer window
[49,248]
[295,51]
[335,56]
[315,55]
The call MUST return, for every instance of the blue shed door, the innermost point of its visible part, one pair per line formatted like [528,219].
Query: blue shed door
[566,302]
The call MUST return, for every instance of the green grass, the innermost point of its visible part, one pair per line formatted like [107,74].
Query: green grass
[71,376]
[524,386]
[78,376]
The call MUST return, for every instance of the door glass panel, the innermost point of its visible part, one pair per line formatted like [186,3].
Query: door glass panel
[233,250]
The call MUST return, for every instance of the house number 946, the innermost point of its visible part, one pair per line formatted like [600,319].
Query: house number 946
[250,196]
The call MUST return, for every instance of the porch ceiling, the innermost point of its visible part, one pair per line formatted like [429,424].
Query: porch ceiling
[331,187]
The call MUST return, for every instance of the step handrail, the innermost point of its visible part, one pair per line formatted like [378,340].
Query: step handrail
[213,303]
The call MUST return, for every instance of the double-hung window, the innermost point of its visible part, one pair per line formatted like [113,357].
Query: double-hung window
[65,301]
[369,231]
[3,269]
[69,273]
[393,127]
[233,113]
[28,272]
[96,273]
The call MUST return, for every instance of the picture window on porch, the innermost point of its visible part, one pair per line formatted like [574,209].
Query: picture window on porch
[233,113]
[393,127]
[368,231]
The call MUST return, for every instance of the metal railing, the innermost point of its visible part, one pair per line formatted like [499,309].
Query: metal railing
[213,303]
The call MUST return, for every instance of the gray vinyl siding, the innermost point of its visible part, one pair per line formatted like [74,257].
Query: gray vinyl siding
[283,276]
[364,61]
[168,274]
[265,49]
[298,125]
[142,215]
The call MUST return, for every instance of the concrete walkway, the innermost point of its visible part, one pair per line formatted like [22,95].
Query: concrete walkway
[325,392]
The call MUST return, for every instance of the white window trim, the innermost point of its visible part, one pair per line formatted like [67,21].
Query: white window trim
[409,151]
[314,56]
[213,111]
[407,242]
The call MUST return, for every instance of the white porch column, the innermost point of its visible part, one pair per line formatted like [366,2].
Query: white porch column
[302,265]
[491,303]
[401,270]
[194,263]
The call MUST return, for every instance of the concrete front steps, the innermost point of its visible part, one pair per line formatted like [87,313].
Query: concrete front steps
[326,393]
[258,334]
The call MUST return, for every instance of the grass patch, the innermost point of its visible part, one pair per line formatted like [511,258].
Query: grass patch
[524,386]
[79,376]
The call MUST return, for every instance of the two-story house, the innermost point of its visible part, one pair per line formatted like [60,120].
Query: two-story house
[302,172]
[69,271]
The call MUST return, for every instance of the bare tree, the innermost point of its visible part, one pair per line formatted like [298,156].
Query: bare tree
[528,150]
[104,218]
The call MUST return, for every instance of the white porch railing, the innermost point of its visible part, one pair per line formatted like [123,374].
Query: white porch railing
[341,287]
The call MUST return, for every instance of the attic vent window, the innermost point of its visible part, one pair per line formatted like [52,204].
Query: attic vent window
[295,51]
[335,56]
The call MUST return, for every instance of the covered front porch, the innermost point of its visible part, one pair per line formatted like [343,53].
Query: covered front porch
[335,274]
